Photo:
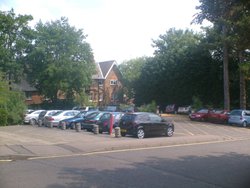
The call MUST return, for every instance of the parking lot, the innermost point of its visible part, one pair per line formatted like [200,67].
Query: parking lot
[186,127]
[26,141]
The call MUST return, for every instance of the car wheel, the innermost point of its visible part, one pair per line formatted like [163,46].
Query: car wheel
[73,126]
[32,122]
[170,131]
[140,133]
[40,123]
[123,134]
[244,124]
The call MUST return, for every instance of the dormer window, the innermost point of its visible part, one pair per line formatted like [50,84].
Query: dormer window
[113,82]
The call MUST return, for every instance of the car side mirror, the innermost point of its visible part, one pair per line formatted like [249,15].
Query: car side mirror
[163,120]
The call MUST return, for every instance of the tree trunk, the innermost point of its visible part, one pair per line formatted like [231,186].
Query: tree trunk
[243,102]
[225,72]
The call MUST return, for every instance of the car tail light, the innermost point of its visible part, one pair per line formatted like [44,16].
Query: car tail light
[50,118]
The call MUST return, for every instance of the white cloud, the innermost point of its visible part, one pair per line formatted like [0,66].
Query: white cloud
[117,30]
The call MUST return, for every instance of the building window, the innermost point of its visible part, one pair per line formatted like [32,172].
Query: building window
[113,82]
[28,95]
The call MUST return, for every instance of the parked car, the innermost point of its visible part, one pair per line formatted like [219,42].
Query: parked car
[28,111]
[142,124]
[184,110]
[86,108]
[32,118]
[42,116]
[57,117]
[239,117]
[171,109]
[200,115]
[90,120]
[117,117]
[105,120]
[71,122]
[218,116]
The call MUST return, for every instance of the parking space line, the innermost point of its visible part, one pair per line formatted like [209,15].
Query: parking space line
[190,133]
[6,160]
[195,127]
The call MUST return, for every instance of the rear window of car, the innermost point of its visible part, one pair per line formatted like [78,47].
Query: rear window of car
[203,111]
[128,117]
[218,111]
[92,115]
[142,117]
[154,118]
[57,113]
[236,113]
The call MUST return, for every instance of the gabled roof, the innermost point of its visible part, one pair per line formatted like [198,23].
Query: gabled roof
[98,74]
[23,85]
[105,67]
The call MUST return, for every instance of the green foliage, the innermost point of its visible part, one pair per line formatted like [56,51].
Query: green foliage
[197,103]
[15,107]
[131,71]
[182,67]
[12,102]
[15,40]
[82,99]
[151,107]
[3,117]
[61,60]
[231,21]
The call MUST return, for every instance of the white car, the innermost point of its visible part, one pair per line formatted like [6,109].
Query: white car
[43,115]
[32,118]
[57,117]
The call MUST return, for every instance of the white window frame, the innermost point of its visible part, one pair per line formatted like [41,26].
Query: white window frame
[113,82]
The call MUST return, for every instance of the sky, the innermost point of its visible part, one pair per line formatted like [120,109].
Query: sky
[116,29]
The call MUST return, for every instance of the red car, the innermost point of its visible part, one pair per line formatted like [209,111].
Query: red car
[200,115]
[218,116]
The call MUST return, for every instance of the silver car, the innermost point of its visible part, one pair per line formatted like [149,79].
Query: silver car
[239,117]
[32,118]
[57,117]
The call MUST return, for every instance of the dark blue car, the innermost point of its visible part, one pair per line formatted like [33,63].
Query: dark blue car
[71,122]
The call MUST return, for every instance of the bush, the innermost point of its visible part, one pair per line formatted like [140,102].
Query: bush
[3,117]
[15,107]
[148,107]
[197,104]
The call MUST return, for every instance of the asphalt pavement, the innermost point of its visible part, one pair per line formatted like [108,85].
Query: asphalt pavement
[26,141]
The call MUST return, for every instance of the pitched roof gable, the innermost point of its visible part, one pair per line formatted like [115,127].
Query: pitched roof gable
[106,66]
[98,74]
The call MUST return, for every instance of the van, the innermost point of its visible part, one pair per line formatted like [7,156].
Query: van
[239,117]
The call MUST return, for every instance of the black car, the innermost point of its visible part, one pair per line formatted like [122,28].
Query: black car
[142,124]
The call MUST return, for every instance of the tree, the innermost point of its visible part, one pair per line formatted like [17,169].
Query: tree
[241,42]
[231,18]
[131,71]
[15,39]
[60,60]
[181,69]
[216,12]
[11,104]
